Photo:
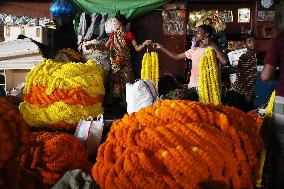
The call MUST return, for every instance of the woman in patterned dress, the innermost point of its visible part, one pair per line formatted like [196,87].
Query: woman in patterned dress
[120,43]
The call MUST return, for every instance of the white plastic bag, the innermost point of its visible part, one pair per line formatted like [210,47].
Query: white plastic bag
[234,56]
[140,94]
[89,133]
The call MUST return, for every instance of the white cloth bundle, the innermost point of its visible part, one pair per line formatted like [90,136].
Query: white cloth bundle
[140,94]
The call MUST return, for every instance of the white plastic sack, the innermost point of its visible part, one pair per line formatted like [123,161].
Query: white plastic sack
[140,94]
[89,133]
[234,56]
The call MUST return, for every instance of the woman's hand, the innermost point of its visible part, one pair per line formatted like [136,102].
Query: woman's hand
[156,46]
[147,42]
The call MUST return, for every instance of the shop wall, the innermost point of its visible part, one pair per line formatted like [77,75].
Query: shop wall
[149,26]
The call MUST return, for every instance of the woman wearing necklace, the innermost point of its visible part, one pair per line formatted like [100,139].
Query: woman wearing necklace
[119,43]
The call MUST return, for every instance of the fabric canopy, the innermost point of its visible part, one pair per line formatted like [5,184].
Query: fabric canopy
[130,8]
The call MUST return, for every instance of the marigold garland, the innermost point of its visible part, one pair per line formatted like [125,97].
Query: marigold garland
[52,154]
[62,94]
[150,67]
[268,115]
[13,133]
[56,113]
[208,85]
[14,142]
[180,144]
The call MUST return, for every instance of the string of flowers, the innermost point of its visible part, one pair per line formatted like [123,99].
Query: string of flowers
[208,85]
[73,96]
[150,67]
[14,143]
[60,94]
[52,154]
[180,144]
[268,115]
[13,133]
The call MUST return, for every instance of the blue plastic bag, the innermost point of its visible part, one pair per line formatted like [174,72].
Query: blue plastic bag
[62,7]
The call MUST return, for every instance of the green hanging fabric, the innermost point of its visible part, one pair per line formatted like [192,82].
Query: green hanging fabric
[130,8]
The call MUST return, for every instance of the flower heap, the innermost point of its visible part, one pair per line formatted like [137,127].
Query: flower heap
[58,95]
[208,86]
[52,154]
[210,18]
[150,67]
[180,144]
[14,142]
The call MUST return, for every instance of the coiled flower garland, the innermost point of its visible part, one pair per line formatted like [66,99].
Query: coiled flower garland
[150,67]
[14,142]
[52,154]
[62,94]
[208,86]
[180,144]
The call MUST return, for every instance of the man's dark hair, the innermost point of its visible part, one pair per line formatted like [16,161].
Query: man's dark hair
[121,18]
[251,35]
[207,29]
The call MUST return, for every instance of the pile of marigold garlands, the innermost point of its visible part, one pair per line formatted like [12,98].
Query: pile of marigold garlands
[58,95]
[13,143]
[180,144]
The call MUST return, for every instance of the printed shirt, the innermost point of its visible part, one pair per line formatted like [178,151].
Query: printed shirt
[128,37]
[275,57]
[194,54]
[246,74]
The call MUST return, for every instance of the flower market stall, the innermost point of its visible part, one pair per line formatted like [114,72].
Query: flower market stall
[69,129]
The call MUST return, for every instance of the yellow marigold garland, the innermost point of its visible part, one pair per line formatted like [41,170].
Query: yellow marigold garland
[268,115]
[60,94]
[57,112]
[150,67]
[208,86]
[180,144]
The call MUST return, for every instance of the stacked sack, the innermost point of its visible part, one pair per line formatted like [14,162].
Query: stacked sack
[14,142]
[180,144]
[58,95]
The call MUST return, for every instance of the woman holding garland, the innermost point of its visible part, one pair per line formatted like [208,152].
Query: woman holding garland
[119,43]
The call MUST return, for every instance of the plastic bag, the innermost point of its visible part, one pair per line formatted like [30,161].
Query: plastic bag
[61,7]
[140,94]
[89,133]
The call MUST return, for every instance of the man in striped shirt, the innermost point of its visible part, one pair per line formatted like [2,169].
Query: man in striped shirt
[241,95]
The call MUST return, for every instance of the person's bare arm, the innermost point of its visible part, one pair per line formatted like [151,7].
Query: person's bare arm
[223,58]
[138,47]
[267,72]
[169,53]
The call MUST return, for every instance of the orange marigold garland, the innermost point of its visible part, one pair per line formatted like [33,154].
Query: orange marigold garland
[14,142]
[180,144]
[13,133]
[52,154]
